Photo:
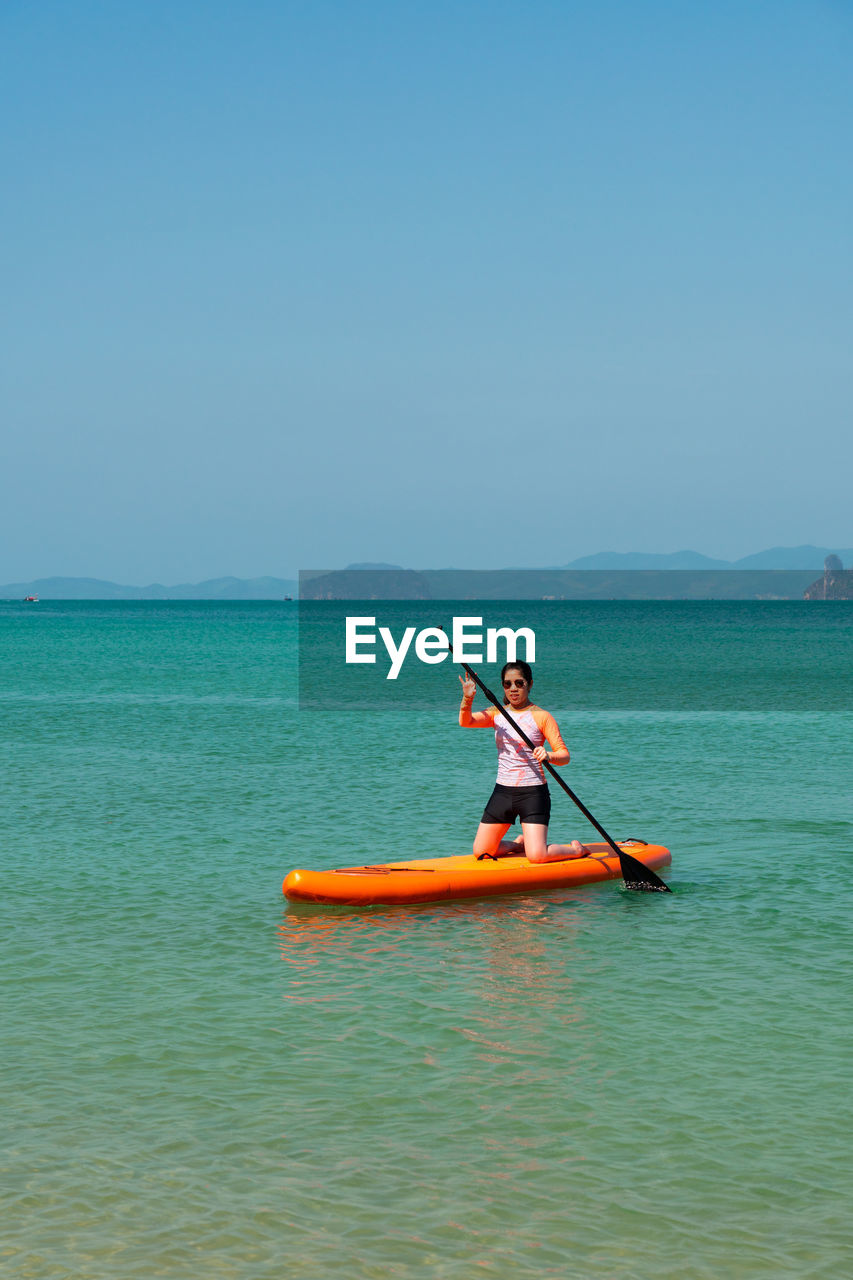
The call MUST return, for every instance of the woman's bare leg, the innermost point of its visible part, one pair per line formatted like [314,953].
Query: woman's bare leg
[537,849]
[488,838]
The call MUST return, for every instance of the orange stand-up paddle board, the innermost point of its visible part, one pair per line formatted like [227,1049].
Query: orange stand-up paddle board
[434,879]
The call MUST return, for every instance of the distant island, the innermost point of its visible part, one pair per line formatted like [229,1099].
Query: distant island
[781,573]
[556,584]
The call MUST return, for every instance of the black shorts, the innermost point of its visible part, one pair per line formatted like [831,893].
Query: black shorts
[530,804]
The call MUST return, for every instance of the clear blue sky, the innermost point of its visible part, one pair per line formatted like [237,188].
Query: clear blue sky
[474,283]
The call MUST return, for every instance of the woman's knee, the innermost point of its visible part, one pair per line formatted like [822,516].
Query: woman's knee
[486,842]
[536,851]
[535,843]
[488,838]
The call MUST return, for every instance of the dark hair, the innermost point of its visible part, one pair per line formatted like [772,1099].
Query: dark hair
[523,667]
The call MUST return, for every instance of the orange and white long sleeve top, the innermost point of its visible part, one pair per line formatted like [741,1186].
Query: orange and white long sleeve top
[516,766]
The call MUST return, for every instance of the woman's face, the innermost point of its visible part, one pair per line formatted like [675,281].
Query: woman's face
[516,688]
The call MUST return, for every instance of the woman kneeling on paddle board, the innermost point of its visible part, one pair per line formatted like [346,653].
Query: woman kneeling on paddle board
[521,790]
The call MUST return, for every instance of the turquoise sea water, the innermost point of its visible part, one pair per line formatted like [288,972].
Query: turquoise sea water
[202,1081]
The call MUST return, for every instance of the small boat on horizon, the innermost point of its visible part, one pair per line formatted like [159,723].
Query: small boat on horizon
[31,599]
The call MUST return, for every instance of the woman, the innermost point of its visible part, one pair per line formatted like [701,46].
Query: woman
[521,790]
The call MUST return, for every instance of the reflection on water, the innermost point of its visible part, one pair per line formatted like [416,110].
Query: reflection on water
[515,969]
[511,926]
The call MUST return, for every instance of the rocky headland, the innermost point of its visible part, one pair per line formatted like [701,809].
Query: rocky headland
[836,583]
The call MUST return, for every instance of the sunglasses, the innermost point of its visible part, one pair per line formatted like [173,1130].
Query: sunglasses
[514,684]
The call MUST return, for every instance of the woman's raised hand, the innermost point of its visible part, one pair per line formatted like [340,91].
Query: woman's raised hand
[469,688]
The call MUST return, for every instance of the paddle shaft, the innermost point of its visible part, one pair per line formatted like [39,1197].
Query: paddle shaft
[632,869]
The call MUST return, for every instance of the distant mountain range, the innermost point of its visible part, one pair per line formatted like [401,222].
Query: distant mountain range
[804,559]
[776,558]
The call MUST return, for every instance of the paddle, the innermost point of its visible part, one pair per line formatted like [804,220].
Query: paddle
[634,873]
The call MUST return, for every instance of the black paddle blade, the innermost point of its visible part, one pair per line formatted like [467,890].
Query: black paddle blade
[638,876]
